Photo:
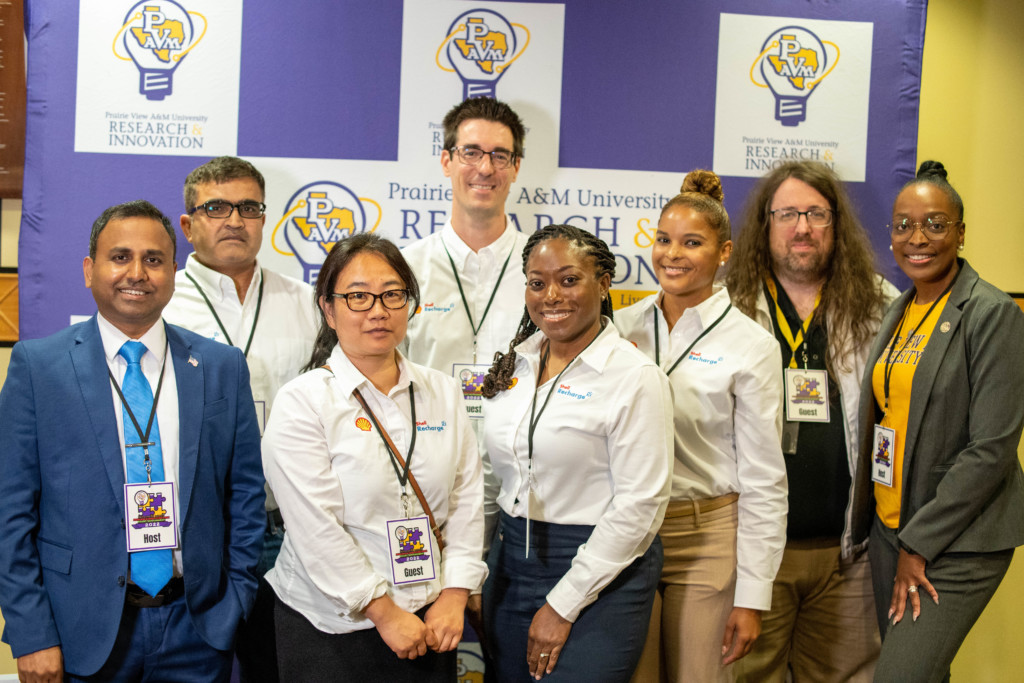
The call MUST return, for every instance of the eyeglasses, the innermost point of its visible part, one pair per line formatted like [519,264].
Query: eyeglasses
[816,217]
[364,301]
[218,208]
[471,156]
[932,228]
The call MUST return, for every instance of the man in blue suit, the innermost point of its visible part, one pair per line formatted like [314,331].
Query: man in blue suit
[74,436]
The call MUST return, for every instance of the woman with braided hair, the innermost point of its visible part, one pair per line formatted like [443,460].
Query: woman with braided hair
[578,428]
[725,527]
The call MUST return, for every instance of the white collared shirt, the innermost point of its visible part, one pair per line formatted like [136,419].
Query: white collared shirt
[602,452]
[282,342]
[155,340]
[337,490]
[727,396]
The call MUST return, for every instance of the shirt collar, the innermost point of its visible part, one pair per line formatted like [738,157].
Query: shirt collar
[596,355]
[155,339]
[709,310]
[349,378]
[216,285]
[460,251]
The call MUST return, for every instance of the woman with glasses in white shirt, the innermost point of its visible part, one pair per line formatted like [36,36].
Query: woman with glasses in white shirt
[578,430]
[379,480]
[725,527]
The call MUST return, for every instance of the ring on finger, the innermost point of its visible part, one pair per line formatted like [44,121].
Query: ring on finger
[544,654]
[912,589]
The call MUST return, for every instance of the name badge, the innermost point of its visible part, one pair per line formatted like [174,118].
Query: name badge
[882,450]
[412,550]
[151,513]
[806,395]
[471,380]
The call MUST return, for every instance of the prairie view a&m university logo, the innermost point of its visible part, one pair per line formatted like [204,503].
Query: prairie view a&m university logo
[156,35]
[480,46]
[317,217]
[792,62]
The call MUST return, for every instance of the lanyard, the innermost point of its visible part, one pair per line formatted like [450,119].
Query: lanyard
[403,474]
[684,354]
[890,363]
[145,443]
[256,318]
[465,304]
[787,332]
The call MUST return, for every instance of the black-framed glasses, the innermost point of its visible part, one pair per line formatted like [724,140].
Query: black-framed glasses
[933,228]
[816,217]
[472,156]
[219,208]
[364,301]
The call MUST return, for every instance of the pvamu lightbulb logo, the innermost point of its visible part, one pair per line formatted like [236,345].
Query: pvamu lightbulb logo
[480,46]
[157,34]
[317,217]
[792,63]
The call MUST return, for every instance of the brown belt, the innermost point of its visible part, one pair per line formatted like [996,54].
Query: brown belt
[686,508]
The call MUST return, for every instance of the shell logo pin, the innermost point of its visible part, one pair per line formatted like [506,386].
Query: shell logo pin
[363,424]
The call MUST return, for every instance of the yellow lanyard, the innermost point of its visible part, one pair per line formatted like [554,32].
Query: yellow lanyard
[794,342]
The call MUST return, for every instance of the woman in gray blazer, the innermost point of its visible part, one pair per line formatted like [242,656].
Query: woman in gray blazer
[942,493]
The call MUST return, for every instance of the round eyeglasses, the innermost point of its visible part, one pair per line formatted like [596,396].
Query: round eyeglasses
[218,208]
[816,217]
[364,301]
[472,156]
[932,228]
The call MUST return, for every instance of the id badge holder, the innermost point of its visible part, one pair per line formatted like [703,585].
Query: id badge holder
[883,446]
[151,513]
[790,433]
[806,395]
[412,550]
[471,381]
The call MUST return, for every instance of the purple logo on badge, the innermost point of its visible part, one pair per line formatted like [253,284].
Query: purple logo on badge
[807,391]
[410,547]
[151,511]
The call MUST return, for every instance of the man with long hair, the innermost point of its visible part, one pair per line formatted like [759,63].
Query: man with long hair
[804,269]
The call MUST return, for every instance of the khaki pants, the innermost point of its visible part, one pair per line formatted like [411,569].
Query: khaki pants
[821,625]
[684,642]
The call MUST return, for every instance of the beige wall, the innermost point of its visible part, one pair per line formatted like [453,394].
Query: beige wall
[972,93]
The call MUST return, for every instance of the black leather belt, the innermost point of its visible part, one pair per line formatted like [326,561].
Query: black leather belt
[136,597]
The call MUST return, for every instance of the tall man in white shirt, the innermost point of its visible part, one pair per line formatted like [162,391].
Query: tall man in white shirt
[224,294]
[131,492]
[803,268]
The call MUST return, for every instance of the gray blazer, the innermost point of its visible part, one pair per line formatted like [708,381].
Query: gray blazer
[963,489]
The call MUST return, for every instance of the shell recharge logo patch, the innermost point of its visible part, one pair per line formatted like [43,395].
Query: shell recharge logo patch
[480,46]
[792,63]
[317,217]
[156,36]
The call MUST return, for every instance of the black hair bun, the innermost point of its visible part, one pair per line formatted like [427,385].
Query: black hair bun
[932,169]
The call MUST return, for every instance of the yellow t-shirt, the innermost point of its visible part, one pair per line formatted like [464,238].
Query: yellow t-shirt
[904,363]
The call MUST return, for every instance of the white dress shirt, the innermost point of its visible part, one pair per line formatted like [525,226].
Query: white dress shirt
[337,490]
[152,361]
[602,452]
[727,397]
[282,342]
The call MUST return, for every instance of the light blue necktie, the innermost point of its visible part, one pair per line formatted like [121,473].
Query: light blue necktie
[151,569]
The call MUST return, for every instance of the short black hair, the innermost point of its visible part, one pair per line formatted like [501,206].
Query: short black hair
[139,208]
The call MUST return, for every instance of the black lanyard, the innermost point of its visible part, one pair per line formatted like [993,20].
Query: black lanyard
[535,418]
[256,319]
[403,474]
[684,354]
[145,443]
[890,364]
[465,304]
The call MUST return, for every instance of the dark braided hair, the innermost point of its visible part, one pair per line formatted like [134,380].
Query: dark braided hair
[499,377]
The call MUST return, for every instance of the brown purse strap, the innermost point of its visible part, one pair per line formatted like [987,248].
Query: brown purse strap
[401,463]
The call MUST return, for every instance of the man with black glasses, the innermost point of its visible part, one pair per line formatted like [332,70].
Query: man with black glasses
[224,294]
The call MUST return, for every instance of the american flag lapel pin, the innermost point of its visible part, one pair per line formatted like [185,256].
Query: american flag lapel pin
[193,362]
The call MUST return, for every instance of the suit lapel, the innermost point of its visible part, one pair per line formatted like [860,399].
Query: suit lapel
[90,364]
[188,375]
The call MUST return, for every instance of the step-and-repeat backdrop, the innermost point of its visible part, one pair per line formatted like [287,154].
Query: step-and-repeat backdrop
[340,105]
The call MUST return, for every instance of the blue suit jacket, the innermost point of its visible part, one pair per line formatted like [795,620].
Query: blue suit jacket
[63,560]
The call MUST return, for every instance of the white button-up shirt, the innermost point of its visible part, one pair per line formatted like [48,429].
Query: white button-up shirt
[602,452]
[152,361]
[727,396]
[337,490]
